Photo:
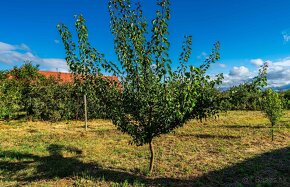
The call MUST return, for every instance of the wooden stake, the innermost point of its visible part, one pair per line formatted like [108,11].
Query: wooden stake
[151,157]
[86,112]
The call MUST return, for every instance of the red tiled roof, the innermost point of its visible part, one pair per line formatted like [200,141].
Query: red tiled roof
[68,77]
[64,77]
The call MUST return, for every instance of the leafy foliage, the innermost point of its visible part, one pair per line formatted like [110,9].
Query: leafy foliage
[286,98]
[3,75]
[27,77]
[86,63]
[10,99]
[209,99]
[50,100]
[23,91]
[272,106]
[153,98]
[246,96]
[15,88]
[54,100]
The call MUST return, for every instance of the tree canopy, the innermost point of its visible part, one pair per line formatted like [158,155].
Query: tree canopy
[154,98]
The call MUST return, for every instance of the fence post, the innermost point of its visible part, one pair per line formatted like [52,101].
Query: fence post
[86,112]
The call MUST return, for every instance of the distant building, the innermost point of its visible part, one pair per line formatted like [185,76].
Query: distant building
[68,77]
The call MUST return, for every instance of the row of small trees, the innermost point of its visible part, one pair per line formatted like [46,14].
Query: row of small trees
[31,94]
[64,100]
[26,93]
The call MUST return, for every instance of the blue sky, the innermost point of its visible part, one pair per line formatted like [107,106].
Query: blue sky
[250,31]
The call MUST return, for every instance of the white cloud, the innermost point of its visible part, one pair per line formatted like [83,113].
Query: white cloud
[286,36]
[56,41]
[17,54]
[23,47]
[6,47]
[239,71]
[202,55]
[54,64]
[15,57]
[222,65]
[237,75]
[278,73]
[257,62]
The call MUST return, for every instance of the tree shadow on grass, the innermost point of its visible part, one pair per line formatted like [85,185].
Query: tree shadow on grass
[233,126]
[268,168]
[281,125]
[209,136]
[244,126]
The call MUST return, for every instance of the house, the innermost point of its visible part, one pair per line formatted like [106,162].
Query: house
[64,77]
[68,77]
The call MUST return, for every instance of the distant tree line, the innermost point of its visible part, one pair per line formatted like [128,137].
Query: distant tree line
[26,93]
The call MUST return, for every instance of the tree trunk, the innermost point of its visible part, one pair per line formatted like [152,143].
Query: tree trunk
[272,132]
[151,157]
[77,107]
[86,112]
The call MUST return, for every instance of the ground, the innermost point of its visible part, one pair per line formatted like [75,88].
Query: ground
[233,150]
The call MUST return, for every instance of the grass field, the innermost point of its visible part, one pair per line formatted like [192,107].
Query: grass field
[234,150]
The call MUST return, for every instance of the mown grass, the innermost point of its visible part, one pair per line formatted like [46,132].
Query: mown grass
[234,150]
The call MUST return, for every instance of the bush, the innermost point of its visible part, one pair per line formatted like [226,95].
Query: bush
[48,100]
[10,99]
[24,91]
[272,106]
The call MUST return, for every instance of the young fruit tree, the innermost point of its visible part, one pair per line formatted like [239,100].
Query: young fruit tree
[153,99]
[86,63]
[272,106]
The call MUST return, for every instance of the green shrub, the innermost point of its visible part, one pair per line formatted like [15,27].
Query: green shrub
[10,99]
[272,106]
